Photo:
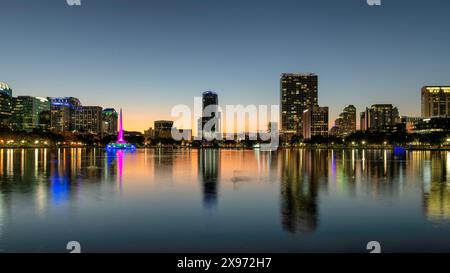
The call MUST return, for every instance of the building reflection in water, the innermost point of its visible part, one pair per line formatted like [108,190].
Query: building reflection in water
[54,175]
[114,160]
[382,173]
[163,165]
[301,171]
[5,212]
[208,169]
[436,186]
[307,174]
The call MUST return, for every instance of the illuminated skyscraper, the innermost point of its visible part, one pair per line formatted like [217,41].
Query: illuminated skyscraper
[27,111]
[315,122]
[109,121]
[210,115]
[298,92]
[5,105]
[363,120]
[435,101]
[346,123]
[163,129]
[380,118]
[63,114]
[88,119]
[45,120]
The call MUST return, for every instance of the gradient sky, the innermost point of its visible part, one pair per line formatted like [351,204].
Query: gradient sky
[146,55]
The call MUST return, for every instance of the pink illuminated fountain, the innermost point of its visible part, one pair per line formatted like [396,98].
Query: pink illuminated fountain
[120,144]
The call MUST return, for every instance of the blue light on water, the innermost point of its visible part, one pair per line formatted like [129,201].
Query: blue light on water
[60,188]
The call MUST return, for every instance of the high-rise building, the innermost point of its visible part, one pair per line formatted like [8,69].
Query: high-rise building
[380,118]
[45,120]
[336,129]
[26,112]
[435,101]
[88,119]
[149,135]
[163,129]
[408,123]
[346,123]
[5,105]
[431,125]
[63,114]
[109,121]
[315,122]
[348,116]
[210,107]
[298,92]
[363,120]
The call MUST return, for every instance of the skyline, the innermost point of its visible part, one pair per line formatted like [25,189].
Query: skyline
[148,57]
[249,124]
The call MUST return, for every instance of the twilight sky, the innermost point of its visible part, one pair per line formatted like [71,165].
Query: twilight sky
[149,55]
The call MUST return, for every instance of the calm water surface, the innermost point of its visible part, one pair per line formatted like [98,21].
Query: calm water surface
[223,200]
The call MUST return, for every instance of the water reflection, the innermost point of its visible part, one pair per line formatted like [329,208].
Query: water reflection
[300,177]
[163,165]
[304,193]
[114,166]
[437,187]
[54,176]
[208,170]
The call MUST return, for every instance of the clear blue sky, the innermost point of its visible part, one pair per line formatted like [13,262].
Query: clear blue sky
[147,55]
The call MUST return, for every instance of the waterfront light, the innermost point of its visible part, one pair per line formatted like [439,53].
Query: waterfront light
[36,142]
[121,144]
[363,143]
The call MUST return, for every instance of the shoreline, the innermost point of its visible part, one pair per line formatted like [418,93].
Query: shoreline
[390,148]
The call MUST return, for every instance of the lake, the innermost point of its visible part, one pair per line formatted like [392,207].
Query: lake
[163,200]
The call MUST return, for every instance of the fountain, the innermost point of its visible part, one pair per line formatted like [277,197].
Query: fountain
[120,144]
